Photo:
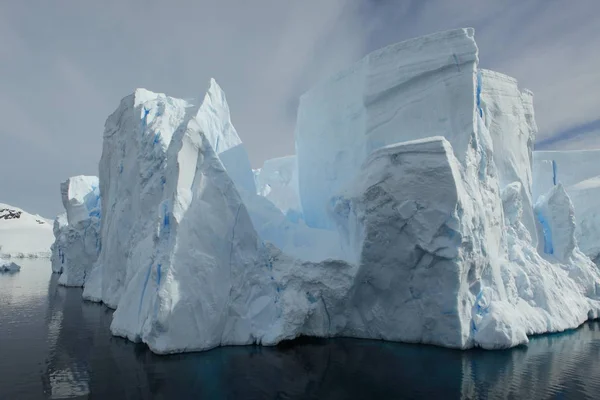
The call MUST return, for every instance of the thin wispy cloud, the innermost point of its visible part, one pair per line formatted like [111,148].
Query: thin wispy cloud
[65,65]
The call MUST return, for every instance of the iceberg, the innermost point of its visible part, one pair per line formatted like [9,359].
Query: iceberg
[410,212]
[77,231]
[9,267]
[24,235]
[579,174]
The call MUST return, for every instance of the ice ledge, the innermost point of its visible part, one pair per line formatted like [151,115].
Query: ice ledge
[434,144]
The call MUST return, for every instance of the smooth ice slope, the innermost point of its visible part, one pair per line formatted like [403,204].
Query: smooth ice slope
[282,228]
[214,119]
[77,232]
[277,180]
[23,235]
[579,172]
[415,89]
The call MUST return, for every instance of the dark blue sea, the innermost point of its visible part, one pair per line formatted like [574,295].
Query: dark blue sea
[55,346]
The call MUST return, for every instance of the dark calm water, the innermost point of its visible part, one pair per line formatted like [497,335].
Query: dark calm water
[53,345]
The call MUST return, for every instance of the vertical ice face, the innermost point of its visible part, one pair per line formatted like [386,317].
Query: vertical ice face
[415,89]
[77,232]
[206,268]
[132,168]
[420,252]
[509,117]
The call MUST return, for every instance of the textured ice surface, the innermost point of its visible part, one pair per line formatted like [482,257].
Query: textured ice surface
[579,173]
[77,232]
[509,117]
[132,179]
[23,235]
[408,214]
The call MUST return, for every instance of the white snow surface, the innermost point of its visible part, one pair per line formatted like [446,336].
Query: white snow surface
[77,231]
[23,235]
[579,173]
[413,215]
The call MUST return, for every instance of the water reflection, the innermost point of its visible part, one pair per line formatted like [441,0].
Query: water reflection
[81,359]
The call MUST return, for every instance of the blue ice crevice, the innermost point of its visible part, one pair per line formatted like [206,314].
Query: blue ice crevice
[144,121]
[547,231]
[165,216]
[480,310]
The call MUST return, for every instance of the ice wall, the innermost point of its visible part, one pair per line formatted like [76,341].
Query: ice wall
[206,280]
[423,246]
[415,89]
[77,232]
[509,117]
[132,168]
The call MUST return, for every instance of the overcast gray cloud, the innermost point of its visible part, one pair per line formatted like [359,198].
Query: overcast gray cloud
[64,66]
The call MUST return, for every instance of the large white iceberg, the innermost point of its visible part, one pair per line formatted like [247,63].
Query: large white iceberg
[77,231]
[23,235]
[407,214]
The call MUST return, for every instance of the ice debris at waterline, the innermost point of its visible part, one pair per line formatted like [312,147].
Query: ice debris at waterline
[10,267]
[407,214]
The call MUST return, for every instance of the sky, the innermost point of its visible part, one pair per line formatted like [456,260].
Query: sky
[65,65]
